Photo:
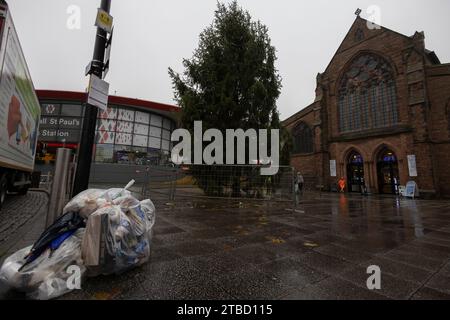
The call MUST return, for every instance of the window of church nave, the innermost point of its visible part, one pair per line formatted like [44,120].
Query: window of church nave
[367,95]
[303,138]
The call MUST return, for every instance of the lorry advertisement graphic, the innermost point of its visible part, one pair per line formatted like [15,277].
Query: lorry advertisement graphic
[19,106]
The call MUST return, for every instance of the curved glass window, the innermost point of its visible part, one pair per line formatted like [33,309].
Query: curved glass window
[123,134]
[133,134]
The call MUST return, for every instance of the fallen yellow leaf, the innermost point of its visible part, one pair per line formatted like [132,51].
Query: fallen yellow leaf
[102,295]
[310,244]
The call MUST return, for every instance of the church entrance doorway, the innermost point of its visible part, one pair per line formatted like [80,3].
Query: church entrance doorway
[355,172]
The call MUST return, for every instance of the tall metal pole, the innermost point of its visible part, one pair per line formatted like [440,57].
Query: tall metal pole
[59,187]
[81,182]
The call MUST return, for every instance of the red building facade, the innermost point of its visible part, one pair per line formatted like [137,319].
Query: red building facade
[129,131]
[381,116]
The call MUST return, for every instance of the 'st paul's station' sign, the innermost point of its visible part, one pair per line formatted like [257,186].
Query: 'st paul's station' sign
[66,122]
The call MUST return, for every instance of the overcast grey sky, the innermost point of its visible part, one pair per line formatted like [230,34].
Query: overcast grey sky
[151,35]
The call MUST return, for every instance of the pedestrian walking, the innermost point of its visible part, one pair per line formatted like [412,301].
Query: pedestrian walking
[363,187]
[341,184]
[300,182]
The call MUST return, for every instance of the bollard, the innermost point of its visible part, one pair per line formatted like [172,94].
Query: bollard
[59,185]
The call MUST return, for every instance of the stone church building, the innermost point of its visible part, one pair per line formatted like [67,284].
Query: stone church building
[381,116]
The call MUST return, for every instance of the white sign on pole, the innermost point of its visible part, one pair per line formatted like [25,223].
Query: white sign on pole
[107,54]
[98,92]
[333,168]
[104,20]
[412,166]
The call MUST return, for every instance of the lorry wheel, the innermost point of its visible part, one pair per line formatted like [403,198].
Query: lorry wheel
[3,189]
[23,191]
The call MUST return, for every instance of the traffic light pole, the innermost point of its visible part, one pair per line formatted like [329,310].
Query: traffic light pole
[86,145]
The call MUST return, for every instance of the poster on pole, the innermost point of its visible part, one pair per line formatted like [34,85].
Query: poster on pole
[412,165]
[104,20]
[98,92]
[333,172]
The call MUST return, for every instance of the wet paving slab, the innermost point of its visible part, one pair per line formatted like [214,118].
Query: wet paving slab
[319,249]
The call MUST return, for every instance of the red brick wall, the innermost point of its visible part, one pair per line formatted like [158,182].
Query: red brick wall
[310,165]
[442,156]
[423,96]
[438,87]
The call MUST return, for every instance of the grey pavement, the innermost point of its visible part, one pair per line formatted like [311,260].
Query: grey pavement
[214,249]
[320,250]
[22,220]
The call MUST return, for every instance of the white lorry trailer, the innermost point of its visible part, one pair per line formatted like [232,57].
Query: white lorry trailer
[19,112]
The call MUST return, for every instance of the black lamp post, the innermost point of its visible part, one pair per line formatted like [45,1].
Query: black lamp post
[84,160]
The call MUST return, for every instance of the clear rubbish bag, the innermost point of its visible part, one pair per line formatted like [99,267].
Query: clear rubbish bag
[88,201]
[51,275]
[118,235]
[117,238]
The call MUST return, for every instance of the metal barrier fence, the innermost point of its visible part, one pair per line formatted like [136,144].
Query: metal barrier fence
[219,181]
[159,182]
[46,181]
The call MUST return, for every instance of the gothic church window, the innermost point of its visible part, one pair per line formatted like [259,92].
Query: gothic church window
[303,138]
[367,95]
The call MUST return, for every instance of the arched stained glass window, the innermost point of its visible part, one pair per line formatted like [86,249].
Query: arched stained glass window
[303,138]
[367,95]
[355,158]
[388,156]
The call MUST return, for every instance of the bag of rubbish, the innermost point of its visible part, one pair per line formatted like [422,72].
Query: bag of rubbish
[85,203]
[50,275]
[149,210]
[118,236]
[88,201]
[55,235]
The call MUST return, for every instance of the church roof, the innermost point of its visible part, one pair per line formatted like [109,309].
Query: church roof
[298,114]
[361,23]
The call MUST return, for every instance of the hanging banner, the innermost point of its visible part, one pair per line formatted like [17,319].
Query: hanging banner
[412,166]
[333,172]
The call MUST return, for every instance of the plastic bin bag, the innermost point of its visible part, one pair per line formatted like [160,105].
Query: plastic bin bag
[150,212]
[47,276]
[85,203]
[118,236]
[54,235]
[114,194]
[88,201]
